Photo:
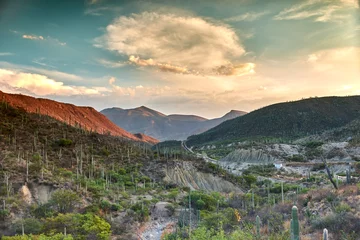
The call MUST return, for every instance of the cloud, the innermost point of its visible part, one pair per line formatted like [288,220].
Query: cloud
[172,42]
[99,11]
[33,37]
[112,80]
[161,66]
[331,60]
[6,54]
[236,70]
[321,11]
[51,73]
[110,64]
[41,38]
[40,85]
[249,17]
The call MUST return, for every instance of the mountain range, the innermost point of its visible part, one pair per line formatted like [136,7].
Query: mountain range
[285,120]
[161,126]
[83,117]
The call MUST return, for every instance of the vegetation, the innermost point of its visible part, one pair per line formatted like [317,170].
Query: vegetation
[288,120]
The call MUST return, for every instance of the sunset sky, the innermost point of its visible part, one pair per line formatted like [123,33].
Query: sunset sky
[177,56]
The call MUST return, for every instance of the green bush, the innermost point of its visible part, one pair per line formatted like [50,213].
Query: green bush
[31,226]
[63,142]
[64,200]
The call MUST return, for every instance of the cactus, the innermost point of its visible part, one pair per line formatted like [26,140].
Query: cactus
[282,192]
[337,180]
[348,176]
[295,224]
[257,227]
[325,234]
[252,198]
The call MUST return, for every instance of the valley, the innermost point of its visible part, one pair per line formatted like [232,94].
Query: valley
[62,181]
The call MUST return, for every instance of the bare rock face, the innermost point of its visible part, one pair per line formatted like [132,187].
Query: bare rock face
[186,175]
[26,194]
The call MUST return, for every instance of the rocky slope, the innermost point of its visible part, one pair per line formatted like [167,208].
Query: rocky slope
[83,117]
[161,126]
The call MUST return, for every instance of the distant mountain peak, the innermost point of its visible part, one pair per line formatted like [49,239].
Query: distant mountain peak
[163,127]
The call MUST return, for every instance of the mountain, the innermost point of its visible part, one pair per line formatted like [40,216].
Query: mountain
[83,117]
[161,126]
[286,120]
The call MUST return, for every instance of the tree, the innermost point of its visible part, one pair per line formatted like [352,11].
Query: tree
[64,200]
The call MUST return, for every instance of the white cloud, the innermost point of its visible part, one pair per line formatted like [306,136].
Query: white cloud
[40,85]
[321,11]
[110,64]
[33,37]
[161,66]
[336,61]
[50,73]
[167,40]
[99,11]
[6,54]
[249,17]
[41,38]
[112,80]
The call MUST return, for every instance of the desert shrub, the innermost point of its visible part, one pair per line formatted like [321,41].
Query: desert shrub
[313,144]
[31,226]
[43,211]
[63,142]
[141,211]
[64,200]
[337,223]
[296,158]
[4,214]
[83,226]
[58,236]
[342,208]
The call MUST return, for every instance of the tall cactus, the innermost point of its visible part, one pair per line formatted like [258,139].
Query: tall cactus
[348,176]
[325,234]
[295,224]
[257,227]
[252,198]
[282,192]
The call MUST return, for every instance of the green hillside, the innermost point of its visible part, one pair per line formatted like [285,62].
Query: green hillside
[285,120]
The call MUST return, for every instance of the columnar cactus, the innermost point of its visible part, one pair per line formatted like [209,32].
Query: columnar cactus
[325,234]
[257,227]
[252,198]
[295,224]
[348,176]
[282,192]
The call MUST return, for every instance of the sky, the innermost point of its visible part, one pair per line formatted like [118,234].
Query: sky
[202,57]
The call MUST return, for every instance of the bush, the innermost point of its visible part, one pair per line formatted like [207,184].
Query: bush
[83,226]
[296,158]
[313,144]
[342,208]
[31,226]
[63,142]
[337,223]
[64,200]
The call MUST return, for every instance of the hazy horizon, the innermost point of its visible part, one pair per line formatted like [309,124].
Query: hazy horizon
[201,58]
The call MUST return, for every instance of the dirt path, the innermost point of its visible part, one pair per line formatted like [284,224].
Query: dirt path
[155,229]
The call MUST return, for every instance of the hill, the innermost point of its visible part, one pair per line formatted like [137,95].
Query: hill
[285,120]
[161,126]
[83,117]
